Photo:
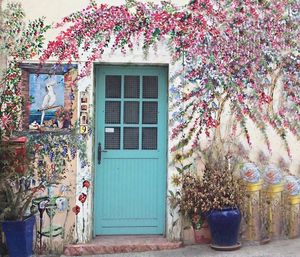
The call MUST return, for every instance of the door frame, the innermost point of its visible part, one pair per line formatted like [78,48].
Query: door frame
[96,68]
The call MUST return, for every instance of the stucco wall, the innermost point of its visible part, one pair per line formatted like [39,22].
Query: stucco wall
[54,10]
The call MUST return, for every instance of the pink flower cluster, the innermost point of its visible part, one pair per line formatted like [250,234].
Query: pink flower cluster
[232,51]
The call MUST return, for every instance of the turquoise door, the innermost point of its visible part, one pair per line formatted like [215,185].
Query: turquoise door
[131,138]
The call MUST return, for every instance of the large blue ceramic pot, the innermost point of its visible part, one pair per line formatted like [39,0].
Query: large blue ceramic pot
[19,237]
[224,226]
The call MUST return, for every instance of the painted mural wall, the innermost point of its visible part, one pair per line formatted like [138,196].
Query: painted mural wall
[2,57]
[77,220]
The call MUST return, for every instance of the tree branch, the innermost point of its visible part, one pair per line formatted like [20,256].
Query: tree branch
[275,76]
[218,136]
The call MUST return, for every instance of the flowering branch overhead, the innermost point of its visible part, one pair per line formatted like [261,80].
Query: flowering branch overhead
[236,53]
[232,50]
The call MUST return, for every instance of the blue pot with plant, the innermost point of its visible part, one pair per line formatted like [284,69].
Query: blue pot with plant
[224,226]
[222,196]
[216,193]
[19,236]
[17,189]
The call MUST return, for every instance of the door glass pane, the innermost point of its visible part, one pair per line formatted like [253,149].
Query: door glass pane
[113,86]
[131,138]
[149,112]
[149,138]
[112,138]
[131,86]
[112,112]
[131,112]
[150,87]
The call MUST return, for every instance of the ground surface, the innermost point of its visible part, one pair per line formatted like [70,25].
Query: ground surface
[281,248]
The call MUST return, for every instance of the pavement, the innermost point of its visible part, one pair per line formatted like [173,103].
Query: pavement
[280,248]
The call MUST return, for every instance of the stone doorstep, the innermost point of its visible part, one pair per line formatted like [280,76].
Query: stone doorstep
[121,244]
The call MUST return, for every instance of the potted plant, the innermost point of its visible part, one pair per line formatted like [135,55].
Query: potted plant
[223,193]
[17,189]
[214,195]
[190,202]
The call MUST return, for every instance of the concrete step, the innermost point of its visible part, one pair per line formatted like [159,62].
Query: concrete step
[121,244]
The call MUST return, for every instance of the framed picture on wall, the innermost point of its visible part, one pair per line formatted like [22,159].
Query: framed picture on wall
[49,93]
[46,93]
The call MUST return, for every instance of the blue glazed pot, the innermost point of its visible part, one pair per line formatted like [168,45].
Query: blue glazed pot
[224,226]
[19,237]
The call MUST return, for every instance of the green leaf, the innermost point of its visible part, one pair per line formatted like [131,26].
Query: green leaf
[187,166]
[156,32]
[179,170]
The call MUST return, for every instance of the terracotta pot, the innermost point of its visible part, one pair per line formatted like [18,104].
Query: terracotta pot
[202,236]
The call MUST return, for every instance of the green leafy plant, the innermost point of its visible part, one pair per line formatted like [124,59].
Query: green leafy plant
[44,162]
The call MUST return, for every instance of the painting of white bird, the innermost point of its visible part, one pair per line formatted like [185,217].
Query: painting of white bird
[49,100]
[47,95]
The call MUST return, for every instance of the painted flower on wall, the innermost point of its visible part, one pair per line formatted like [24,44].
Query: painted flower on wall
[76,209]
[82,197]
[62,204]
[86,184]
[232,53]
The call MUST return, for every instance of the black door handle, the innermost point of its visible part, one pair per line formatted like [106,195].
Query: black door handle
[100,153]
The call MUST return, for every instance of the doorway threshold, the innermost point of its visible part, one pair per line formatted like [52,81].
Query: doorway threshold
[121,244]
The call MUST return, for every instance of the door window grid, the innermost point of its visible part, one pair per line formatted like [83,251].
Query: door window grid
[132,86]
[112,112]
[131,138]
[112,138]
[142,141]
[113,86]
[131,112]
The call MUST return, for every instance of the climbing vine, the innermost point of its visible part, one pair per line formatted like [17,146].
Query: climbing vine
[234,53]
[49,154]
[53,152]
[20,42]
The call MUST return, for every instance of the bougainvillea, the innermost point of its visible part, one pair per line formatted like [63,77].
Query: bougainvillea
[233,52]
